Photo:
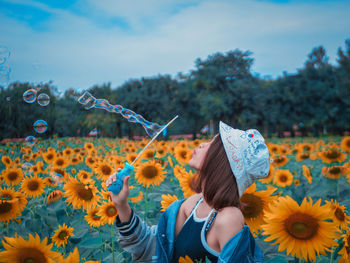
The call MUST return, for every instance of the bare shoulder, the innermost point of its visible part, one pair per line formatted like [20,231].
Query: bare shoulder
[230,218]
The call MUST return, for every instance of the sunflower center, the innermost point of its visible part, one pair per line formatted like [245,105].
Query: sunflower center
[49,156]
[283,178]
[347,142]
[83,193]
[279,159]
[307,148]
[334,170]
[31,255]
[332,154]
[7,160]
[5,207]
[33,185]
[304,155]
[253,205]
[339,214]
[62,235]
[149,155]
[111,211]
[59,162]
[301,226]
[12,176]
[183,154]
[95,216]
[149,172]
[106,170]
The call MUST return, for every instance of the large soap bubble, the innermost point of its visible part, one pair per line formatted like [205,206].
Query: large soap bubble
[40,126]
[29,96]
[43,99]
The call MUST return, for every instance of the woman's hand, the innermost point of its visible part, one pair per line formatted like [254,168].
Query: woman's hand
[121,198]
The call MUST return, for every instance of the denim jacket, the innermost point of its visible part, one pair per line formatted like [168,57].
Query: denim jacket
[156,243]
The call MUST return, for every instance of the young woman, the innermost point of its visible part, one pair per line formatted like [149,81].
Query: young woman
[210,223]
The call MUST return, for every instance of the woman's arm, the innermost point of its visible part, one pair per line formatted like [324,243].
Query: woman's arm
[136,237]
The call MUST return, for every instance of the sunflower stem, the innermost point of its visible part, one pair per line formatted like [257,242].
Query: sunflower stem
[332,257]
[112,234]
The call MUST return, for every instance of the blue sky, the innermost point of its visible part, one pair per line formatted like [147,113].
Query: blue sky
[79,43]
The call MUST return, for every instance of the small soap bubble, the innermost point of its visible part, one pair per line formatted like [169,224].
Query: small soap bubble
[4,74]
[40,126]
[4,54]
[29,96]
[8,99]
[43,99]
[27,168]
[30,140]
[271,160]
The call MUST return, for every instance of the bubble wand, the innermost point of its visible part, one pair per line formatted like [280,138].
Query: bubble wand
[117,186]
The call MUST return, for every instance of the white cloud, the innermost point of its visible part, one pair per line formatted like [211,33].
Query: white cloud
[75,51]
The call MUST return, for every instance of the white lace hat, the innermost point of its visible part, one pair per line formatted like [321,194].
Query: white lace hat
[247,154]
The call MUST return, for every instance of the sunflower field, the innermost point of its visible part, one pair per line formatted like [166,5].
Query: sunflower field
[54,206]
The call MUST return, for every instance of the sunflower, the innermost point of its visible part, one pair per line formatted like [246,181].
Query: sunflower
[301,230]
[195,143]
[307,174]
[345,251]
[296,182]
[7,161]
[88,146]
[283,178]
[92,218]
[161,151]
[333,172]
[305,147]
[33,186]
[18,250]
[182,155]
[60,162]
[54,196]
[90,161]
[273,148]
[61,235]
[131,157]
[58,171]
[167,200]
[49,156]
[108,212]
[83,175]
[9,206]
[345,144]
[148,154]
[150,173]
[80,194]
[269,177]
[279,161]
[103,170]
[68,152]
[187,183]
[301,156]
[75,159]
[339,215]
[12,176]
[255,203]
[185,259]
[136,199]
[332,155]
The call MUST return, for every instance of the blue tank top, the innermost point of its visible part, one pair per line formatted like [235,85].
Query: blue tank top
[191,241]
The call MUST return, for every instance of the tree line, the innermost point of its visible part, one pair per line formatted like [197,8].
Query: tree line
[314,100]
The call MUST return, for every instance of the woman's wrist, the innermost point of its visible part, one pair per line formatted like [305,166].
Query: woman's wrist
[124,212]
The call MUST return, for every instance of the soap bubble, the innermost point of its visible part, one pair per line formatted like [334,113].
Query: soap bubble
[4,54]
[4,74]
[40,126]
[30,140]
[27,168]
[8,99]
[29,96]
[43,99]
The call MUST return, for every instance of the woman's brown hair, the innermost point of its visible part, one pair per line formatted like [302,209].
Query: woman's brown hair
[216,179]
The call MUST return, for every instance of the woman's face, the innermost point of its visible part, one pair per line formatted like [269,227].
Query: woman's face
[198,155]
